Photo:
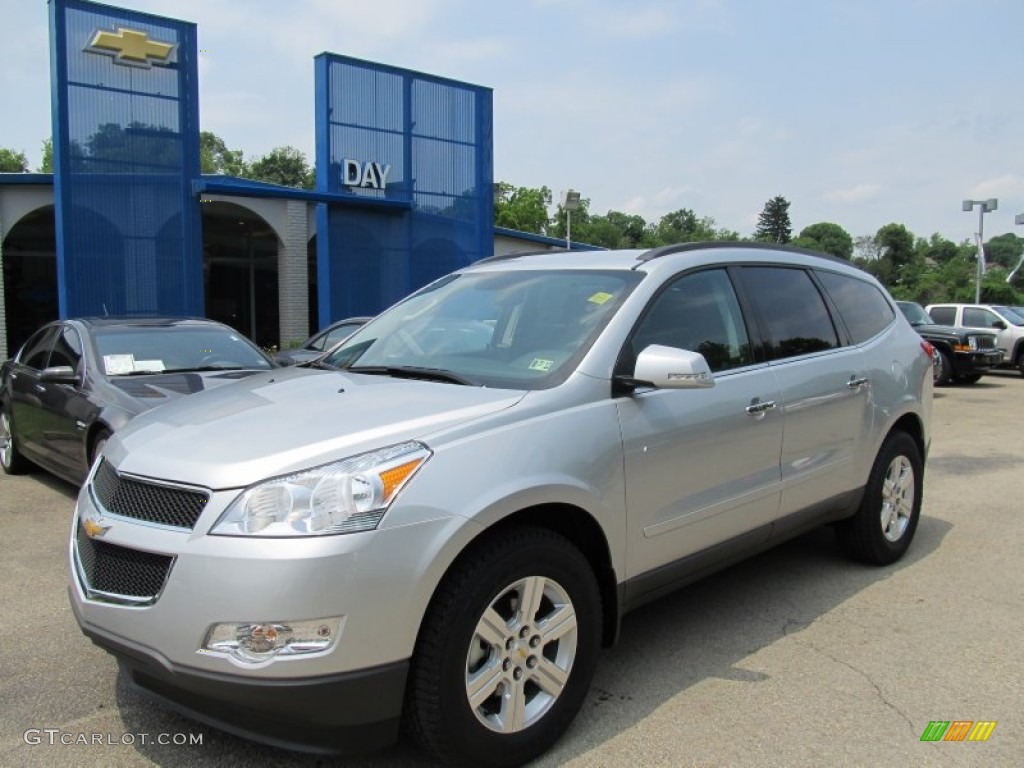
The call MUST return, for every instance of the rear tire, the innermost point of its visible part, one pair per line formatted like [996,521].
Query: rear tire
[506,651]
[11,460]
[942,368]
[882,528]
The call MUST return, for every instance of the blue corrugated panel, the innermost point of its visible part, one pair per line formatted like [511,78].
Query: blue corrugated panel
[126,147]
[434,137]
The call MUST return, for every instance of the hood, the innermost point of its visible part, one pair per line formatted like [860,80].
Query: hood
[140,393]
[948,331]
[290,419]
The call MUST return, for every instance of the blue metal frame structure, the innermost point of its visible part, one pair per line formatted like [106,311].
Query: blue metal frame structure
[125,152]
[435,136]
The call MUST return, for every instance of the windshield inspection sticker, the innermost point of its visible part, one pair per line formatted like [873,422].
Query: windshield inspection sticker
[540,364]
[118,365]
[600,297]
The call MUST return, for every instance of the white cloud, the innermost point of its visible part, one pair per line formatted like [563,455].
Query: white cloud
[855,194]
[1007,185]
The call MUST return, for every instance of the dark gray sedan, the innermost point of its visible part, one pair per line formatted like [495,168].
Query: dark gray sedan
[75,382]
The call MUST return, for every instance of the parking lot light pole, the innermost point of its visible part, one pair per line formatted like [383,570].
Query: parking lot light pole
[984,206]
[570,202]
[1018,220]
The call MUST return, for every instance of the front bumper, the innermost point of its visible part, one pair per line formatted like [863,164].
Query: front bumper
[344,699]
[977,362]
[336,714]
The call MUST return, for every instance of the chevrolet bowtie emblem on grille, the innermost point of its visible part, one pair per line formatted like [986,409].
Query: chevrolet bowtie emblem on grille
[94,529]
[131,46]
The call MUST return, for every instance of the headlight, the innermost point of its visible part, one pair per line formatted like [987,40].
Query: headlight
[343,497]
[972,342]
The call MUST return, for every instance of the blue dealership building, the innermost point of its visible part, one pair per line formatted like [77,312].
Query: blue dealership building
[127,224]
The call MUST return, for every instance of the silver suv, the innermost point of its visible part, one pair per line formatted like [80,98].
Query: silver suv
[444,520]
[1005,322]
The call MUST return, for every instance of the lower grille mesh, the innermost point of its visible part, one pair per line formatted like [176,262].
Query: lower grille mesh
[120,570]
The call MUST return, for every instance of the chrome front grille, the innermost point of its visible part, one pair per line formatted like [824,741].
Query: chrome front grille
[986,341]
[123,574]
[149,502]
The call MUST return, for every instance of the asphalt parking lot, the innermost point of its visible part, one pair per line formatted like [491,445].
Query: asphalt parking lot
[795,658]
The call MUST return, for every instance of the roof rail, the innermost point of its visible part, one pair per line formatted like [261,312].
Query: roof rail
[665,250]
[513,255]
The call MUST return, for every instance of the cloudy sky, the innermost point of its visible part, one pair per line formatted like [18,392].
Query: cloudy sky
[859,112]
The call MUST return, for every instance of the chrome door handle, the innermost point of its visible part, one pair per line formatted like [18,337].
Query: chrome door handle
[855,383]
[40,388]
[757,406]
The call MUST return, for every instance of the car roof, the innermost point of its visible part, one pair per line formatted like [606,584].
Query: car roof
[146,322]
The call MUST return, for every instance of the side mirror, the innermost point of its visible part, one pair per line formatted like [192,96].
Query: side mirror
[672,368]
[59,374]
[999,324]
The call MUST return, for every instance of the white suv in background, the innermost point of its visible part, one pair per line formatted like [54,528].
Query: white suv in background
[1005,321]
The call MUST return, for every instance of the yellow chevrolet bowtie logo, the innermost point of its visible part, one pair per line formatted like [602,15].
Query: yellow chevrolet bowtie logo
[130,46]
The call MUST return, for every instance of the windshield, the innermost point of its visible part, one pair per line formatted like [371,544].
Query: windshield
[515,329]
[914,313]
[163,349]
[1010,315]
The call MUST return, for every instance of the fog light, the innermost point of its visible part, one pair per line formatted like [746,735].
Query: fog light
[254,643]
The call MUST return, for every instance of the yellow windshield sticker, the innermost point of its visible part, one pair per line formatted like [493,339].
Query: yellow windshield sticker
[540,364]
[600,297]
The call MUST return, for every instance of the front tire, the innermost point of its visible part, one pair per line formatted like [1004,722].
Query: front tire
[11,460]
[506,652]
[968,378]
[882,528]
[942,368]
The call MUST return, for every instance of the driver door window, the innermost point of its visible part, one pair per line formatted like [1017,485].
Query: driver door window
[698,312]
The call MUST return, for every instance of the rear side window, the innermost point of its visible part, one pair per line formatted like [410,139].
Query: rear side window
[794,314]
[862,306]
[943,315]
[36,352]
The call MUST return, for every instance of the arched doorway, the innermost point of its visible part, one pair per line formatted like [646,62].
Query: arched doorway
[30,276]
[240,251]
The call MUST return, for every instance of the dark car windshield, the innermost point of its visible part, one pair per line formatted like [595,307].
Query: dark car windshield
[124,351]
[516,329]
[914,313]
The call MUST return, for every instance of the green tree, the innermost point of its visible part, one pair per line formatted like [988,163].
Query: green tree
[283,165]
[633,228]
[1004,250]
[12,162]
[683,226]
[522,208]
[773,223]
[936,250]
[47,164]
[896,246]
[827,238]
[215,157]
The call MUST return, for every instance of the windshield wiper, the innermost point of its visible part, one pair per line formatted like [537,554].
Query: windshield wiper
[206,369]
[412,372]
